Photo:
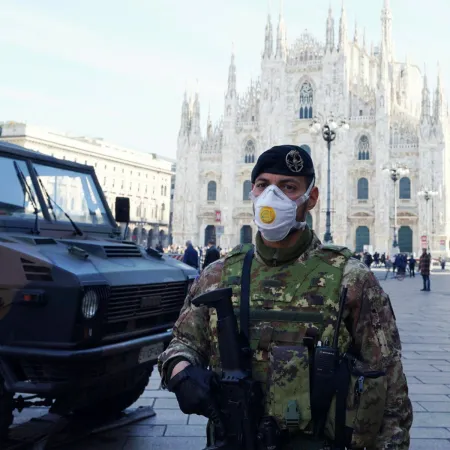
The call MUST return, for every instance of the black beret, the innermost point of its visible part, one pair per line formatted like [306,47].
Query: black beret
[284,160]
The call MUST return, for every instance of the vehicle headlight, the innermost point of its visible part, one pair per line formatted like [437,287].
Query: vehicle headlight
[89,304]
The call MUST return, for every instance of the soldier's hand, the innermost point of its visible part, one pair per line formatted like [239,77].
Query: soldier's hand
[193,387]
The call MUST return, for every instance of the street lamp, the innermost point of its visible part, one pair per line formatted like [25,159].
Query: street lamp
[329,129]
[427,194]
[395,171]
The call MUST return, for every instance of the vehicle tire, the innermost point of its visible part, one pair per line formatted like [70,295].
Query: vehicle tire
[6,411]
[112,406]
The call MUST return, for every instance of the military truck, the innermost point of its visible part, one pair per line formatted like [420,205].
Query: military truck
[84,313]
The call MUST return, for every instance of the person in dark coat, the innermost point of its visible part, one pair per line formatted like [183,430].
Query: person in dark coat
[211,255]
[190,256]
[424,267]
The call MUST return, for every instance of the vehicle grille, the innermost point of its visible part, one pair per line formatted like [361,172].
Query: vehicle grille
[34,272]
[125,251]
[131,308]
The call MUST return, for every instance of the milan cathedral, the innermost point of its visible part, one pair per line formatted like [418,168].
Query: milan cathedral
[394,119]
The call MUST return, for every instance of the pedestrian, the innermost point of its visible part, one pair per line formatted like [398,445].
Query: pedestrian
[412,265]
[293,278]
[424,267]
[190,256]
[211,255]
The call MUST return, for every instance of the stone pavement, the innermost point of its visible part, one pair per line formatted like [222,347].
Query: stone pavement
[423,320]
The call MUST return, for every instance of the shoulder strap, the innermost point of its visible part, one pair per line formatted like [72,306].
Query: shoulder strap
[245,296]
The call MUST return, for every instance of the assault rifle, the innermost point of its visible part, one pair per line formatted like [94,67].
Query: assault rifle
[240,398]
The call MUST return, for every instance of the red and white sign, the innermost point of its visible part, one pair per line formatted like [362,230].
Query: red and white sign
[423,241]
[218,216]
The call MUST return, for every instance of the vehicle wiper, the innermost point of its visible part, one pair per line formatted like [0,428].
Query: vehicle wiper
[50,201]
[27,190]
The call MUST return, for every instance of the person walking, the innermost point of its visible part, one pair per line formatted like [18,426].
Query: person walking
[290,286]
[190,256]
[211,255]
[424,267]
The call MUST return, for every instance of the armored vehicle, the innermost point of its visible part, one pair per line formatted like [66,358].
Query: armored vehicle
[84,313]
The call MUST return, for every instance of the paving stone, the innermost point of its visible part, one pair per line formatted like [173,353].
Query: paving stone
[429,398]
[166,403]
[436,406]
[443,378]
[442,367]
[436,433]
[431,419]
[428,389]
[154,384]
[422,347]
[158,393]
[143,401]
[412,380]
[185,430]
[195,419]
[417,407]
[437,357]
[429,444]
[101,442]
[414,368]
[166,417]
[139,430]
[165,443]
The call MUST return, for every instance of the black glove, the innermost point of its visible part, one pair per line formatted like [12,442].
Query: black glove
[193,387]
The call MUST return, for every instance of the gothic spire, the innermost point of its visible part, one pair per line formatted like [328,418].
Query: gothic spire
[195,122]
[281,35]
[231,93]
[386,30]
[438,98]
[342,29]
[355,38]
[209,123]
[185,115]
[268,42]
[425,112]
[330,31]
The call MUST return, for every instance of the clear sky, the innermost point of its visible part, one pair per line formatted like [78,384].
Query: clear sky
[118,69]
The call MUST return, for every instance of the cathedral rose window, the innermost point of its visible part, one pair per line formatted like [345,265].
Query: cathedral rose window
[249,152]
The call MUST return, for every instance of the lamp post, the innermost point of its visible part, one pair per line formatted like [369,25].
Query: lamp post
[427,194]
[329,129]
[395,171]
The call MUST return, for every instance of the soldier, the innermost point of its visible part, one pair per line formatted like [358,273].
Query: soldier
[292,272]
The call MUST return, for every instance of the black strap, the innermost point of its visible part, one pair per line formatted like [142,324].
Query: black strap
[245,296]
[342,434]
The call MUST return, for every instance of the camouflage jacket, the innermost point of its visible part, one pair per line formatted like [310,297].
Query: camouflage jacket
[368,312]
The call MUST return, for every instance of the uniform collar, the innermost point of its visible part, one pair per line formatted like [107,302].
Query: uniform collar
[279,256]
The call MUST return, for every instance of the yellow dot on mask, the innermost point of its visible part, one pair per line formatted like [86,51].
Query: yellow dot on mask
[267,214]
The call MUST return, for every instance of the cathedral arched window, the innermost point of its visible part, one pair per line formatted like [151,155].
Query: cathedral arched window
[405,188]
[363,189]
[249,152]
[306,101]
[363,148]
[246,188]
[212,191]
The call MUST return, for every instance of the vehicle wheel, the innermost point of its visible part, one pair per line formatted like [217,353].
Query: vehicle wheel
[6,410]
[113,406]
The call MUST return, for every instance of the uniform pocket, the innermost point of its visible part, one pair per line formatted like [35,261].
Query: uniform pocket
[366,400]
[365,408]
[288,398]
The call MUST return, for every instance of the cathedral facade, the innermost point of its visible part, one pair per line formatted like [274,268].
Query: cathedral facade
[394,119]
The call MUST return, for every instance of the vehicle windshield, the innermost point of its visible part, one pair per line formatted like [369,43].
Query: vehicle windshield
[74,192]
[17,190]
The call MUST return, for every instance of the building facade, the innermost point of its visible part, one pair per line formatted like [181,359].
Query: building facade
[394,118]
[145,178]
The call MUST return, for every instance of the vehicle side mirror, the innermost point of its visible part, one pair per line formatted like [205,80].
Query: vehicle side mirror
[122,207]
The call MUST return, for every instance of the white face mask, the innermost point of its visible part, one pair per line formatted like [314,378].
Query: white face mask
[275,212]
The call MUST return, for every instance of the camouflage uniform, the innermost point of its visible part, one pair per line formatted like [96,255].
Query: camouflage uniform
[368,317]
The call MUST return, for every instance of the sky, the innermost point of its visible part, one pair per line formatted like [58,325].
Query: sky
[118,70]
